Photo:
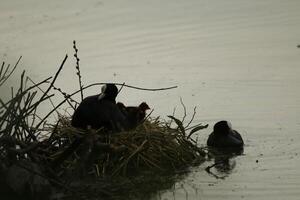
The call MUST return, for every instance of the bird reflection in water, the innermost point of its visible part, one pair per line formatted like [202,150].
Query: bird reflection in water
[223,161]
[224,144]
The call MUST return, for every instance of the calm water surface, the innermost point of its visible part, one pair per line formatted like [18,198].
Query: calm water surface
[234,60]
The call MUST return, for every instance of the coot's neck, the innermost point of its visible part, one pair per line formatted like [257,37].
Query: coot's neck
[107,98]
[223,132]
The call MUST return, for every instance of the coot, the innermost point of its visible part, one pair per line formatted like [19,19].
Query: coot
[134,114]
[224,136]
[100,111]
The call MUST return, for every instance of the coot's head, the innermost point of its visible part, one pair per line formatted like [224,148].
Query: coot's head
[134,109]
[144,106]
[134,114]
[142,111]
[109,91]
[222,128]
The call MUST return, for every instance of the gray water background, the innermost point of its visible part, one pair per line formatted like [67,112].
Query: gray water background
[234,60]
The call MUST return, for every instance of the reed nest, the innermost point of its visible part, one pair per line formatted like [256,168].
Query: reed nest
[155,145]
[53,155]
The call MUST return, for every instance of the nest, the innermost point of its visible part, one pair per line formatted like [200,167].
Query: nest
[154,145]
[68,154]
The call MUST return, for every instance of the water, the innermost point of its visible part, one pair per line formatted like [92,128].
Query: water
[234,60]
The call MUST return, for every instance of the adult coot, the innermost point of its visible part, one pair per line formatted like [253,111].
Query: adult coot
[134,114]
[224,136]
[100,111]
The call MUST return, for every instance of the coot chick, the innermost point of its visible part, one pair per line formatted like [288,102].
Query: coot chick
[100,111]
[134,114]
[224,136]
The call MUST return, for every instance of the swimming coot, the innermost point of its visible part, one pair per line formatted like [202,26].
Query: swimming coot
[100,111]
[224,136]
[134,114]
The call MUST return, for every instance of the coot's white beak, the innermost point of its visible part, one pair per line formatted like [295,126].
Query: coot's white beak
[229,125]
[101,96]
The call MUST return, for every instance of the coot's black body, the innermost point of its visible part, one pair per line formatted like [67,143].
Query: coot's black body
[224,136]
[100,111]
